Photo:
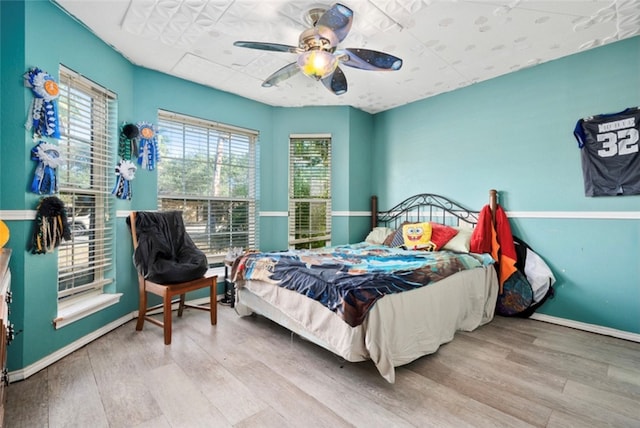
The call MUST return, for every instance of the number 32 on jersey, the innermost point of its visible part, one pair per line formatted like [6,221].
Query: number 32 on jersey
[618,138]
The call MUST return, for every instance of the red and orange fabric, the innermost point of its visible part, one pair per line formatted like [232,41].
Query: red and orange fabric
[494,236]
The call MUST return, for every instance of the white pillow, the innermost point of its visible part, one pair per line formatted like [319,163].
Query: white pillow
[378,235]
[461,242]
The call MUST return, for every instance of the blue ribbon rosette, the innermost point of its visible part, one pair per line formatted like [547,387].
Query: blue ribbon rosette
[148,154]
[45,180]
[125,172]
[43,112]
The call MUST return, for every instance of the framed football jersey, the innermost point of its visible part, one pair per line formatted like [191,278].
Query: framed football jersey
[609,153]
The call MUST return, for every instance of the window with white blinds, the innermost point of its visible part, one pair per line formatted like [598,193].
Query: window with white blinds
[309,191]
[207,170]
[87,121]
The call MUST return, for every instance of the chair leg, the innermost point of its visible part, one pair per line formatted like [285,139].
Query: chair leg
[213,302]
[142,307]
[166,300]
[181,304]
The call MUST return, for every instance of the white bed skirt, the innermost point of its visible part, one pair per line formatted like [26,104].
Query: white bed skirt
[399,328]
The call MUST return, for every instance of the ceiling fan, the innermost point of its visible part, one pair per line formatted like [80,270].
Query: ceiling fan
[318,56]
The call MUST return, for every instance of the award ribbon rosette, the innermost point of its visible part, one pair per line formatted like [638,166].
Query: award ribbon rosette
[43,112]
[45,180]
[148,154]
[126,169]
[125,172]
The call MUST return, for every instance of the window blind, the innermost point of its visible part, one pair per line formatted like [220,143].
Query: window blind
[309,191]
[208,171]
[88,120]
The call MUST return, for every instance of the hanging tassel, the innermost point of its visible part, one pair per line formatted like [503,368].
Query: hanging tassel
[43,112]
[45,181]
[128,141]
[148,155]
[125,172]
[51,225]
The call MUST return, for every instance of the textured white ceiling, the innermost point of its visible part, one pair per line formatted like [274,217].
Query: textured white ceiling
[445,45]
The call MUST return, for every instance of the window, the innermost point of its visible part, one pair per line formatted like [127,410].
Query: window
[309,191]
[207,170]
[87,120]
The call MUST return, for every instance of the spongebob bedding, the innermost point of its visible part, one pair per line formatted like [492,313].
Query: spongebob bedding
[369,301]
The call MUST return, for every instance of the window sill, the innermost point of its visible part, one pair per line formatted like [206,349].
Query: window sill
[83,308]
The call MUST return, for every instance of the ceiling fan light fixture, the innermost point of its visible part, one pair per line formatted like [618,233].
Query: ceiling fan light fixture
[317,63]
[318,56]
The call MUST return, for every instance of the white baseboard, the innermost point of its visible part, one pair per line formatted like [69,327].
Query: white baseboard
[34,368]
[592,328]
[24,373]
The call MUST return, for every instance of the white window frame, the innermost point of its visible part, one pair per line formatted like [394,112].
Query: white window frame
[87,147]
[220,210]
[304,230]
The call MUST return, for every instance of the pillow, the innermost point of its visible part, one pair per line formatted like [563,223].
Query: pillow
[378,235]
[417,236]
[395,239]
[461,242]
[441,234]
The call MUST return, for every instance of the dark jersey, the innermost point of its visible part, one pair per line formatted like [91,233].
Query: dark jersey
[609,151]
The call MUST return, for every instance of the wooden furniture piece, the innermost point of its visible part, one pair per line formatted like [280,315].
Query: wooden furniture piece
[6,328]
[168,293]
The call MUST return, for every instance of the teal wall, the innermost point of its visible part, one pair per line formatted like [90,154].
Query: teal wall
[2,27]
[360,184]
[350,129]
[34,276]
[515,134]
[12,142]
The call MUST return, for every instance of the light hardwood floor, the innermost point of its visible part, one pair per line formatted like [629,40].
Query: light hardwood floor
[250,372]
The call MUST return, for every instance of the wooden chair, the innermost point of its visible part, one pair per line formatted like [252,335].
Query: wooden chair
[168,292]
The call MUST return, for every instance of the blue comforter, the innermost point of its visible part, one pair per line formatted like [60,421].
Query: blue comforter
[349,279]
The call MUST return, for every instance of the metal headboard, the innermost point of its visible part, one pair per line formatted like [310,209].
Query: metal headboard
[427,207]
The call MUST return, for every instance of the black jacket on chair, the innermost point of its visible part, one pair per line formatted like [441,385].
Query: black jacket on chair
[165,253]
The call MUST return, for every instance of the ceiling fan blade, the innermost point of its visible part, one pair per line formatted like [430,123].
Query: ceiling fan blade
[366,59]
[339,19]
[277,47]
[284,73]
[336,82]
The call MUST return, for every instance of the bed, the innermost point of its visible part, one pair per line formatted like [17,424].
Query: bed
[404,310]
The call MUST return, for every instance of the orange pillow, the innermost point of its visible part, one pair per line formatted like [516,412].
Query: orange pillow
[441,234]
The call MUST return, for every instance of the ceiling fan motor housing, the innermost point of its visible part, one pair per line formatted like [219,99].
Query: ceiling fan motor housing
[318,38]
